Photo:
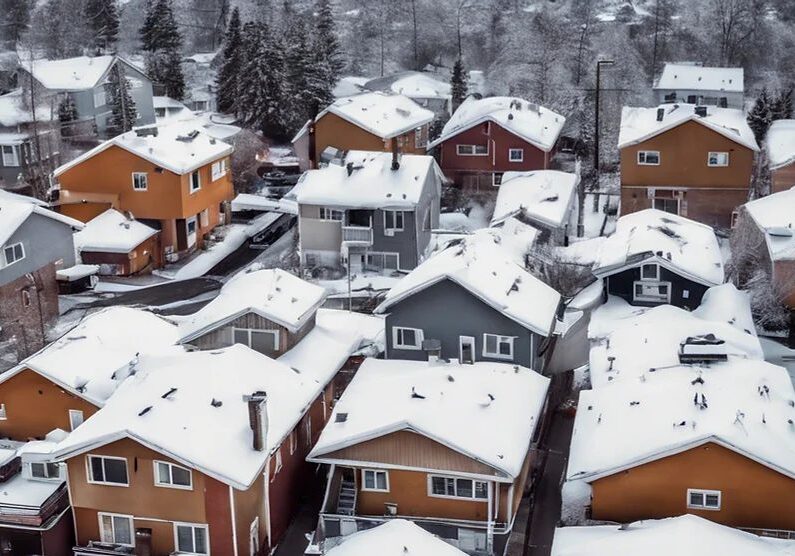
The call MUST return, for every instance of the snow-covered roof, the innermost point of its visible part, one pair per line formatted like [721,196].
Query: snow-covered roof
[413,84]
[535,124]
[648,340]
[112,232]
[384,115]
[780,143]
[93,358]
[15,210]
[679,244]
[686,535]
[168,407]
[546,196]
[775,216]
[348,86]
[487,411]
[167,102]
[174,147]
[745,406]
[396,537]
[371,183]
[69,74]
[688,77]
[641,124]
[76,272]
[251,201]
[488,269]
[15,111]
[273,294]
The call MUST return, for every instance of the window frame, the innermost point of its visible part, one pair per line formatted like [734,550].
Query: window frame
[14,159]
[249,331]
[500,338]
[13,247]
[73,413]
[218,169]
[455,480]
[651,298]
[473,148]
[677,200]
[645,154]
[375,473]
[704,493]
[511,152]
[496,179]
[3,412]
[90,474]
[394,213]
[130,520]
[45,465]
[656,277]
[138,175]
[155,468]
[327,214]
[419,336]
[193,526]
[100,94]
[191,187]
[718,154]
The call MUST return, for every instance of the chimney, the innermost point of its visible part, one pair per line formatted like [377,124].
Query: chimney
[660,114]
[395,161]
[258,418]
[701,111]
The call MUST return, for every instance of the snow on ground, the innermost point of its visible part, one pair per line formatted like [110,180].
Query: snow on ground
[479,217]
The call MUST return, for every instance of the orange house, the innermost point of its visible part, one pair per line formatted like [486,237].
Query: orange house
[173,180]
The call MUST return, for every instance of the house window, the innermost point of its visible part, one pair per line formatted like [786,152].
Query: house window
[452,487]
[107,470]
[100,98]
[140,181]
[652,291]
[496,179]
[420,140]
[718,159]
[116,529]
[45,470]
[650,272]
[516,155]
[75,418]
[263,341]
[393,220]
[334,215]
[195,182]
[172,476]
[703,499]
[472,150]
[382,261]
[375,480]
[666,204]
[406,338]
[13,253]
[649,158]
[218,169]
[190,538]
[10,155]
[500,347]
[3,416]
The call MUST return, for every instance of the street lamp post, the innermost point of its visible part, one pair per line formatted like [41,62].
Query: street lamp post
[599,65]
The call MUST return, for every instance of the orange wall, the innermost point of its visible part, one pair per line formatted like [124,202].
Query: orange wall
[35,406]
[752,495]
[83,211]
[167,196]
[782,178]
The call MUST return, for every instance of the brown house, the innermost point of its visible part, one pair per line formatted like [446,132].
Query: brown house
[780,145]
[366,122]
[695,161]
[175,180]
[431,443]
[714,442]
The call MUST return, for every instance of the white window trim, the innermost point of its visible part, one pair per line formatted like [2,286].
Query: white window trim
[473,153]
[718,153]
[375,482]
[46,477]
[276,333]
[657,275]
[72,414]
[3,415]
[394,220]
[494,179]
[198,174]
[419,335]
[659,158]
[384,254]
[447,496]
[13,160]
[90,479]
[218,169]
[652,298]
[330,212]
[171,475]
[500,338]
[704,492]
[5,260]
[521,155]
[146,181]
[204,526]
[130,518]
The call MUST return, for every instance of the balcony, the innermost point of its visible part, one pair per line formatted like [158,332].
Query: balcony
[357,235]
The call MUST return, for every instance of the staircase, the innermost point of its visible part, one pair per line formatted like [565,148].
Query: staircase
[346,504]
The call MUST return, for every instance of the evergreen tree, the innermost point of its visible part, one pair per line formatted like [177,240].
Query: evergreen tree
[227,81]
[103,21]
[320,80]
[161,40]
[67,115]
[14,21]
[121,102]
[262,91]
[458,84]
[781,107]
[326,38]
[761,116]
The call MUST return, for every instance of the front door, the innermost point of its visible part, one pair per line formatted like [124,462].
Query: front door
[191,231]
[466,349]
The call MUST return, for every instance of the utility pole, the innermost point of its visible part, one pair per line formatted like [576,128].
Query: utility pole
[599,65]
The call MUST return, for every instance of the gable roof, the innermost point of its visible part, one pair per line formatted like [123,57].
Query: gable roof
[413,84]
[273,294]
[640,124]
[69,74]
[546,196]
[487,411]
[171,148]
[112,232]
[701,78]
[681,245]
[372,183]
[535,124]
[488,269]
[774,215]
[780,143]
[384,115]
[745,406]
[15,210]
[396,537]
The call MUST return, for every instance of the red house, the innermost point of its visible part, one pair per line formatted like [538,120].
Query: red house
[490,136]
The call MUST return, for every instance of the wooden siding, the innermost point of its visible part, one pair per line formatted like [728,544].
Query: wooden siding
[144,257]
[782,178]
[622,284]
[222,337]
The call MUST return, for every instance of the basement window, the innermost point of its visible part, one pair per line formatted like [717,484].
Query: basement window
[703,499]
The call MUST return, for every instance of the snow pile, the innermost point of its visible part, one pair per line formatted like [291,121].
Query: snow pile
[487,411]
[272,294]
[775,216]
[112,232]
[690,77]
[383,115]
[686,535]
[490,268]
[15,209]
[546,196]
[14,111]
[535,124]
[248,201]
[780,143]
[397,537]
[683,246]
[640,124]
[69,74]
[368,181]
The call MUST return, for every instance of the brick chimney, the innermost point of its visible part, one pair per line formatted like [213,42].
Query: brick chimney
[258,418]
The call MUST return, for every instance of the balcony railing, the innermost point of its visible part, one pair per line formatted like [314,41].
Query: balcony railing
[361,235]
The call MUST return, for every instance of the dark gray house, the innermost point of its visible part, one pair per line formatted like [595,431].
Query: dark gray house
[34,243]
[375,211]
[657,258]
[472,301]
